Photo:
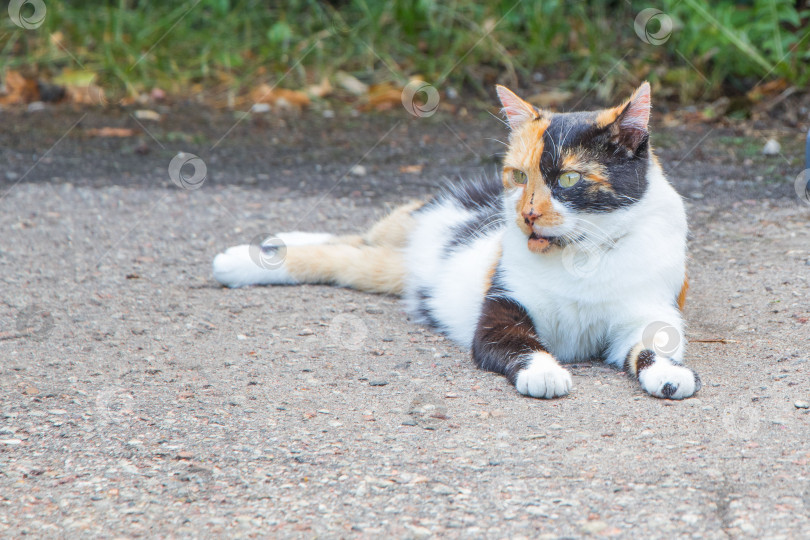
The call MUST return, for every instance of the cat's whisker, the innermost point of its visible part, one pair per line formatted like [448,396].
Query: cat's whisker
[499,119]
[497,141]
[593,230]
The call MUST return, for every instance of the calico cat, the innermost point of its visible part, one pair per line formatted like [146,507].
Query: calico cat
[577,252]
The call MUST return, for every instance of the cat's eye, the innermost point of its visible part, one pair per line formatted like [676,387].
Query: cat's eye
[519,177]
[568,179]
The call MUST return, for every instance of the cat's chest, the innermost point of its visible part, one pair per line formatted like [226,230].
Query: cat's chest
[572,329]
[572,315]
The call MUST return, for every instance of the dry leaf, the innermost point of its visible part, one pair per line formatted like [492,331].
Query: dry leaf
[320,90]
[383,97]
[411,169]
[280,97]
[550,98]
[110,132]
[769,88]
[19,89]
[351,83]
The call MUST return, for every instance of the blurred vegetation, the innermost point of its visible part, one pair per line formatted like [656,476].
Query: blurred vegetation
[715,46]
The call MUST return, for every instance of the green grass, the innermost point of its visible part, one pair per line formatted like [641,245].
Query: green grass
[230,45]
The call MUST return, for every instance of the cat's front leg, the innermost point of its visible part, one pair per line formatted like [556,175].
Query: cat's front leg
[653,355]
[661,376]
[506,342]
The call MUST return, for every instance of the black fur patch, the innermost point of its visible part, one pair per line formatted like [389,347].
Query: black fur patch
[505,336]
[471,195]
[626,170]
[483,222]
[668,390]
[646,358]
[424,312]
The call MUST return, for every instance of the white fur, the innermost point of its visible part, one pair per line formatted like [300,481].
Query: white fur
[663,372]
[235,267]
[458,282]
[543,377]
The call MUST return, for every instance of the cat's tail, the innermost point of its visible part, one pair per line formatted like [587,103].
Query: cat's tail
[373,262]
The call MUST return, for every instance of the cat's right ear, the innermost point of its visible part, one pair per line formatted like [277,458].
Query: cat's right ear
[629,122]
[516,110]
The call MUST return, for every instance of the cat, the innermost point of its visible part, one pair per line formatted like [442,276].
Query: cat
[577,252]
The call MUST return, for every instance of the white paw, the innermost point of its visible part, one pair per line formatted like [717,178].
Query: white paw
[236,268]
[543,378]
[664,379]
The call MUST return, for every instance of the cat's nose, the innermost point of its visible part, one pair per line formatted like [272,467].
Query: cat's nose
[530,216]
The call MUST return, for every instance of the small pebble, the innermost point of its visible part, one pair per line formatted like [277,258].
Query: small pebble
[594,527]
[802,405]
[358,170]
[260,108]
[772,147]
[377,383]
[145,114]
[10,442]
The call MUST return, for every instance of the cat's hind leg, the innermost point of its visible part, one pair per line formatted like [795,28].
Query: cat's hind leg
[366,268]
[262,263]
[395,228]
[370,262]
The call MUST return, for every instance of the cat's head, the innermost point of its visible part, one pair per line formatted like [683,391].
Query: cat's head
[561,166]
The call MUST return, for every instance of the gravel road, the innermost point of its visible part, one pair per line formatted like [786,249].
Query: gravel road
[138,398]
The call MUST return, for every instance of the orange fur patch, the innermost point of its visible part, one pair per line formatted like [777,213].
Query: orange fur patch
[491,272]
[393,230]
[608,116]
[525,149]
[682,294]
[366,268]
[372,262]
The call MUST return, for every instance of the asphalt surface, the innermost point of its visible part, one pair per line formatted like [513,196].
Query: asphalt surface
[138,398]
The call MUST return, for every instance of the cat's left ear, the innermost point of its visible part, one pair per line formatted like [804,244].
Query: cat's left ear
[517,111]
[632,118]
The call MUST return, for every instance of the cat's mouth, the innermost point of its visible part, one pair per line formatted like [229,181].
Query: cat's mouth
[539,243]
